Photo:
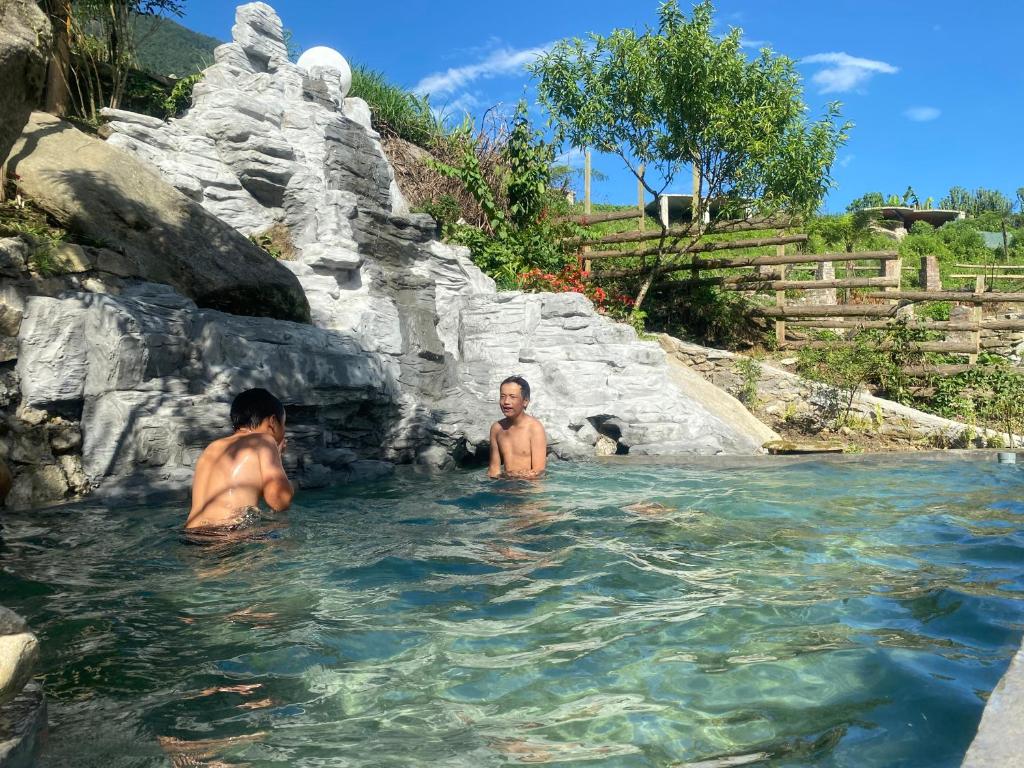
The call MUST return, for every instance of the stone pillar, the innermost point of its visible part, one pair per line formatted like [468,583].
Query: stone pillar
[930,278]
[961,313]
[825,271]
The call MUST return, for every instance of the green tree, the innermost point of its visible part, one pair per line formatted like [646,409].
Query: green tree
[101,39]
[845,230]
[958,199]
[682,96]
[867,200]
[978,202]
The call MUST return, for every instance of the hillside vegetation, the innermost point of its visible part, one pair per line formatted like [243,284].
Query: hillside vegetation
[167,48]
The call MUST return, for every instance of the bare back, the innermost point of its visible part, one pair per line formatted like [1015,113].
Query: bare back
[232,474]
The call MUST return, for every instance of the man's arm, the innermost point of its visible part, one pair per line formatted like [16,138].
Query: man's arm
[494,468]
[277,488]
[538,448]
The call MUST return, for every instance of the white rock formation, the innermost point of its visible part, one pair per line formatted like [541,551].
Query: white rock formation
[426,335]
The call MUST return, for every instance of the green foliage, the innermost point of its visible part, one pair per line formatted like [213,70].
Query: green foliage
[843,367]
[180,97]
[682,95]
[396,110]
[749,371]
[445,210]
[867,200]
[275,241]
[977,202]
[528,159]
[875,357]
[847,231]
[165,47]
[469,171]
[31,224]
[705,314]
[991,394]
[518,235]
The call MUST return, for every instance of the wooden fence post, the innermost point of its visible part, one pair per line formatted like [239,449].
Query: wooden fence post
[642,222]
[976,312]
[586,202]
[780,301]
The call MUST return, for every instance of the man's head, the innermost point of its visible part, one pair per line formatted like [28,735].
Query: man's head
[258,409]
[513,396]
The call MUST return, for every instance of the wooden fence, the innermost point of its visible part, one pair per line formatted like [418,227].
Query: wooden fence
[883,305]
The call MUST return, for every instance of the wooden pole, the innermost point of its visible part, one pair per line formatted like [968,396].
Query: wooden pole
[963,297]
[979,287]
[586,203]
[823,310]
[780,301]
[951,347]
[697,247]
[642,216]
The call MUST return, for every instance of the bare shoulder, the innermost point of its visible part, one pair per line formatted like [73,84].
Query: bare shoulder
[536,427]
[258,441]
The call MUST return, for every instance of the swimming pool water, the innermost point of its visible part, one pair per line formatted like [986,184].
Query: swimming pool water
[813,613]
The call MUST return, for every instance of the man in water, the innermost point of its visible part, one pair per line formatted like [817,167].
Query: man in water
[517,441]
[233,473]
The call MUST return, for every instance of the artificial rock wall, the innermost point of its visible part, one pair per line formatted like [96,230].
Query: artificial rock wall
[409,340]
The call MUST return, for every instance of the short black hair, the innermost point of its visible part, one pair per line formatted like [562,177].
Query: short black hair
[253,406]
[524,386]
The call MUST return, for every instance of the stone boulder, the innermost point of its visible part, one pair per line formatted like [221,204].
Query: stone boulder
[24,40]
[107,196]
[153,376]
[19,651]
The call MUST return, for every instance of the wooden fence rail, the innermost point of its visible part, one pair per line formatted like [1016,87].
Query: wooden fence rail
[887,302]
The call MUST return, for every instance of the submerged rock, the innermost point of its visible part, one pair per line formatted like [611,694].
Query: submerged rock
[19,651]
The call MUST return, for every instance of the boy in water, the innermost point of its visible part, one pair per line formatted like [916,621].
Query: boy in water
[518,440]
[233,473]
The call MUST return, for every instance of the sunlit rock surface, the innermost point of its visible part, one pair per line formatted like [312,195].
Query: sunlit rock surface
[411,340]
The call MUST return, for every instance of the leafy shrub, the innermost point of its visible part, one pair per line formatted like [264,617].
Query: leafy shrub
[991,394]
[571,279]
[180,97]
[749,371]
[509,179]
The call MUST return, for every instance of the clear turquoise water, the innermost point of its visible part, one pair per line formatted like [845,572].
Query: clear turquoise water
[851,614]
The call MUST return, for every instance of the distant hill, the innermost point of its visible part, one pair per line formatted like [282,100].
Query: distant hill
[167,48]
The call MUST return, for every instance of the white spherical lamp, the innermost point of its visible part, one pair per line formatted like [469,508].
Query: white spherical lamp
[323,58]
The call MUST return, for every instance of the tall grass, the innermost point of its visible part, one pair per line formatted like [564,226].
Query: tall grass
[396,110]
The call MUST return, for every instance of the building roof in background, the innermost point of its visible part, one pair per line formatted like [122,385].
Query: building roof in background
[934,216]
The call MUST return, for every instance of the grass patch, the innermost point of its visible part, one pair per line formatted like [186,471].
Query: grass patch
[24,220]
[276,242]
[396,110]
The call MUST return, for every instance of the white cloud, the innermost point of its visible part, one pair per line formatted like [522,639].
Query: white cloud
[846,160]
[845,72]
[504,61]
[464,102]
[756,45]
[922,114]
[572,157]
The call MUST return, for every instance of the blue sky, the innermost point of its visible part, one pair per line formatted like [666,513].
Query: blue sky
[936,90]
